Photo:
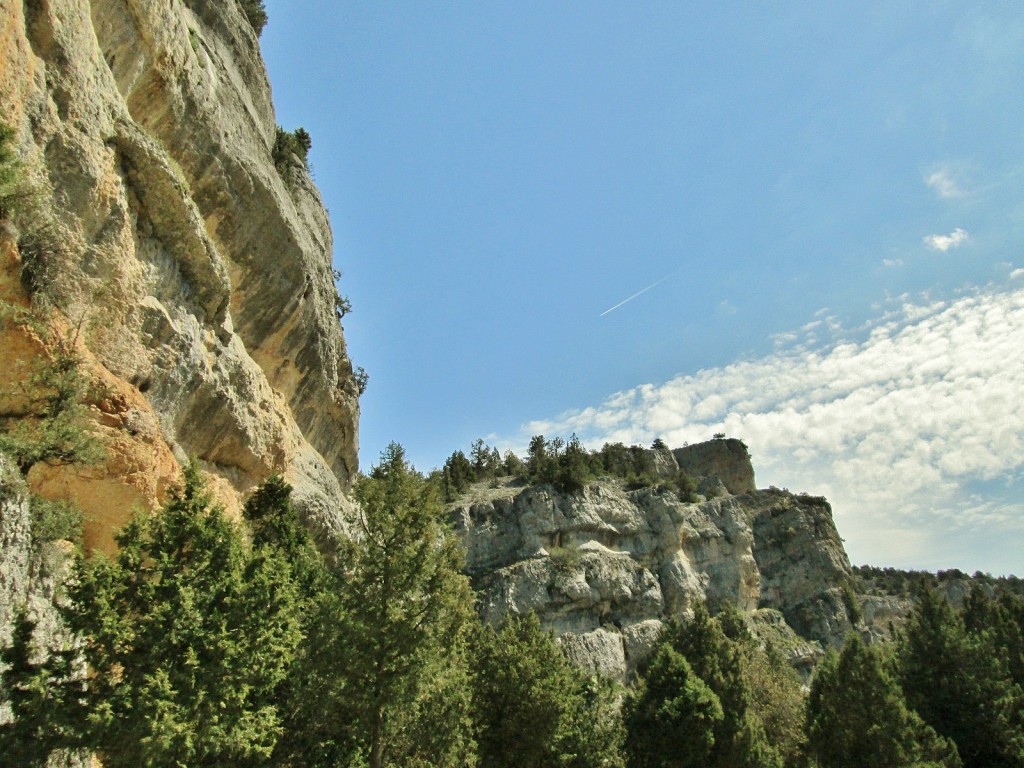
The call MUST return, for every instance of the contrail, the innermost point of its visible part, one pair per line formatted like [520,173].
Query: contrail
[638,293]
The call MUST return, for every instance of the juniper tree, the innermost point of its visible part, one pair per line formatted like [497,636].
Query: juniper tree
[961,685]
[187,634]
[857,716]
[533,708]
[406,608]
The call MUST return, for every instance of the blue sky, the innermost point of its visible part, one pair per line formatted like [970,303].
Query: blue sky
[824,200]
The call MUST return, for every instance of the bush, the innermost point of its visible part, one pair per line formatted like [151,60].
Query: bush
[362,379]
[52,426]
[54,521]
[256,13]
[291,149]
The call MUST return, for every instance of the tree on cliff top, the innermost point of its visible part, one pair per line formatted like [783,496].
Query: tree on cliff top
[256,13]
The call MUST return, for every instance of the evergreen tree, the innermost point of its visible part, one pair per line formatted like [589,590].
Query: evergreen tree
[457,475]
[512,465]
[405,605]
[533,709]
[187,635]
[998,623]
[541,463]
[671,715]
[574,467]
[43,687]
[856,716]
[719,662]
[312,699]
[776,699]
[960,685]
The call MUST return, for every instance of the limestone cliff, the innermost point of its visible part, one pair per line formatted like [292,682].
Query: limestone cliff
[197,283]
[604,568]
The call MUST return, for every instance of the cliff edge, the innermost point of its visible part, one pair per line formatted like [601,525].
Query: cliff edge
[195,280]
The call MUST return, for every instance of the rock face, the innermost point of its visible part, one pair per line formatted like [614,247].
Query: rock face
[725,459]
[31,573]
[606,567]
[198,282]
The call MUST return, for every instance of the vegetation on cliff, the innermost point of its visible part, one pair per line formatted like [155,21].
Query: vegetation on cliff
[566,464]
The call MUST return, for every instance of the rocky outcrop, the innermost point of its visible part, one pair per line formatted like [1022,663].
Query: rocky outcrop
[726,459]
[198,282]
[604,568]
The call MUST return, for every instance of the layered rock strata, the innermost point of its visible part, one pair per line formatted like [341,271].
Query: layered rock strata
[198,282]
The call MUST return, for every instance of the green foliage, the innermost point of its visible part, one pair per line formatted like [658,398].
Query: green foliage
[533,709]
[406,604]
[362,379]
[685,487]
[716,663]
[291,150]
[720,662]
[41,686]
[256,13]
[16,192]
[50,422]
[187,635]
[960,683]
[458,474]
[857,716]
[901,583]
[342,305]
[671,715]
[54,521]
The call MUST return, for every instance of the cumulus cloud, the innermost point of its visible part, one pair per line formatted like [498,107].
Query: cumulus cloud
[943,243]
[897,423]
[944,184]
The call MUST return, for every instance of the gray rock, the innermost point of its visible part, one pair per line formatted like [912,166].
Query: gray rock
[610,562]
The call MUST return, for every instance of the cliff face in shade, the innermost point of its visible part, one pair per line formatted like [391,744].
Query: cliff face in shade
[606,567]
[198,282]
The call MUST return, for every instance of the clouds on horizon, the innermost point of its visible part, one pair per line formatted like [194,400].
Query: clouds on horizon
[912,426]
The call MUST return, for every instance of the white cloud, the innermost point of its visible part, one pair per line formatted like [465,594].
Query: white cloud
[943,243]
[944,184]
[892,262]
[1016,274]
[896,423]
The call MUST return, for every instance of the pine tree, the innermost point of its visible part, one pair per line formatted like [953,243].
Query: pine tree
[856,716]
[541,463]
[533,709]
[574,467]
[671,716]
[719,662]
[43,687]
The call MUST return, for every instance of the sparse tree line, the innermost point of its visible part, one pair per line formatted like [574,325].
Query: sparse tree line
[566,464]
[902,583]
